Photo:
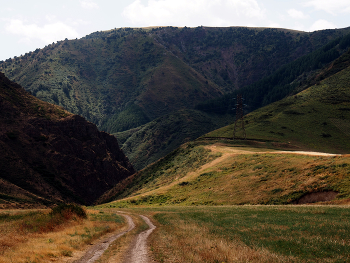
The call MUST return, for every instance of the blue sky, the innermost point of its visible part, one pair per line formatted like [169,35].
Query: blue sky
[26,24]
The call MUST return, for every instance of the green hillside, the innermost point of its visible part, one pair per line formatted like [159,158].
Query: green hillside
[288,79]
[317,118]
[125,78]
[140,148]
[160,70]
[217,170]
[152,141]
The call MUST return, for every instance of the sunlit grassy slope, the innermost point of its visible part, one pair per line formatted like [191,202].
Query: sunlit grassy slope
[316,119]
[219,174]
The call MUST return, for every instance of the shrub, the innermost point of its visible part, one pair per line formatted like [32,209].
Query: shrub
[41,222]
[68,211]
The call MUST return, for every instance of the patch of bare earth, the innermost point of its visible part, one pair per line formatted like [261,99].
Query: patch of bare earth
[317,197]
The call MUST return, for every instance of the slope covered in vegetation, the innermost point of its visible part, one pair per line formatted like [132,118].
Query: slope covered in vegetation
[317,118]
[298,75]
[252,171]
[150,73]
[48,155]
[288,79]
[226,174]
[150,142]
[123,78]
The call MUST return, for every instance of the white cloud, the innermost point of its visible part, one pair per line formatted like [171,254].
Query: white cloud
[78,22]
[322,24]
[194,12]
[332,7]
[50,18]
[296,14]
[88,4]
[48,33]
[274,25]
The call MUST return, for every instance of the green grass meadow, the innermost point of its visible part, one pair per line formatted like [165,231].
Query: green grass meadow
[296,233]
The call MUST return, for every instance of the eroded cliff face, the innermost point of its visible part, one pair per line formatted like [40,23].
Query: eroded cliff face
[52,155]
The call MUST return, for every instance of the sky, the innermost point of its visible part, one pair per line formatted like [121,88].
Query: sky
[26,25]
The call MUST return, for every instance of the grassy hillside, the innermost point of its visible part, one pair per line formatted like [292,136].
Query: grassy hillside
[288,79]
[316,119]
[144,149]
[152,141]
[123,78]
[100,78]
[175,165]
[160,70]
[253,171]
[233,175]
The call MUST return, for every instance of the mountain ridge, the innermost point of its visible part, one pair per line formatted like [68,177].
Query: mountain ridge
[119,65]
[122,79]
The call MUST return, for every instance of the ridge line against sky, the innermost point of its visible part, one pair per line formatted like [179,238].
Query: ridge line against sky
[27,25]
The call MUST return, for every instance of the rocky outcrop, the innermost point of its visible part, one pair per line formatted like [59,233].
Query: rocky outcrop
[54,155]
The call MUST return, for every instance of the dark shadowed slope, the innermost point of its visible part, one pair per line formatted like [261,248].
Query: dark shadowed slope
[50,155]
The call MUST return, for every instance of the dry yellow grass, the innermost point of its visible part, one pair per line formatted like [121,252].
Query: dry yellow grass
[19,245]
[243,175]
[188,242]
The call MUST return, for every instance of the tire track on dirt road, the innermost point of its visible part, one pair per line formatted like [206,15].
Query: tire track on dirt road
[138,252]
[96,251]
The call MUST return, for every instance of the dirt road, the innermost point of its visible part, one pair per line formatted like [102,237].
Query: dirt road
[225,150]
[97,250]
[138,252]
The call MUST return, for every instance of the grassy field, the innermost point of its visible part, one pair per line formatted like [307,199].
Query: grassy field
[220,234]
[28,236]
[189,229]
[250,234]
